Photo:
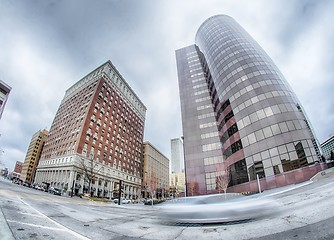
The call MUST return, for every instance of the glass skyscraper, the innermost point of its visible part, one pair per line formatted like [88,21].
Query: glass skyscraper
[177,156]
[239,112]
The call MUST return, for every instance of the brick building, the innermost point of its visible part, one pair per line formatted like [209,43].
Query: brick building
[96,138]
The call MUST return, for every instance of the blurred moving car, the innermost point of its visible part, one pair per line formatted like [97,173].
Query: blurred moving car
[217,208]
[123,201]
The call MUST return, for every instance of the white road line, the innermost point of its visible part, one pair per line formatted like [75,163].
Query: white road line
[61,227]
[30,214]
[35,225]
[327,184]
[289,189]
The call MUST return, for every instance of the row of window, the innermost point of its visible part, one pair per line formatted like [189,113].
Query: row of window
[121,106]
[228,116]
[127,92]
[199,108]
[213,160]
[207,115]
[195,69]
[230,132]
[267,112]
[202,99]
[65,174]
[201,92]
[285,151]
[226,64]
[197,74]
[209,135]
[199,85]
[198,79]
[270,131]
[234,147]
[211,147]
[226,37]
[223,107]
[206,125]
[194,65]
[68,121]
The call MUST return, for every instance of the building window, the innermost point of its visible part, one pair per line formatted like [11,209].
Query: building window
[276,170]
[239,172]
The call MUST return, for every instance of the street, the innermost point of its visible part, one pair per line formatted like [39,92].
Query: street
[306,213]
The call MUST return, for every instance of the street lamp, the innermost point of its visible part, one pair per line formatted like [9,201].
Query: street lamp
[145,184]
[185,167]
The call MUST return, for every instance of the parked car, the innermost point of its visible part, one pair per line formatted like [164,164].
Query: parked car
[37,187]
[26,184]
[123,200]
[155,201]
[54,191]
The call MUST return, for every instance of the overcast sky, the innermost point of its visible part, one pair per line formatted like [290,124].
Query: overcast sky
[47,46]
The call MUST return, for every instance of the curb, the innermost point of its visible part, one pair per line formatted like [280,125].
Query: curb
[323,174]
[5,231]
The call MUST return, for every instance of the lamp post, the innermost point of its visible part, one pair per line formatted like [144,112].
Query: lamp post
[185,172]
[91,156]
[145,182]
[258,183]
[120,192]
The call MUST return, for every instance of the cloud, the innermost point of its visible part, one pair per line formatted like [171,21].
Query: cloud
[308,54]
[47,46]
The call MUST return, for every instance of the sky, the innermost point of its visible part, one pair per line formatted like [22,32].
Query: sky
[47,46]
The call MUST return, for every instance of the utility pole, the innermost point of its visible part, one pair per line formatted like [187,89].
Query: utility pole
[120,192]
[185,172]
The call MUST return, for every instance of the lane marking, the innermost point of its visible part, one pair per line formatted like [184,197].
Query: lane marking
[289,189]
[30,214]
[35,225]
[327,184]
[61,227]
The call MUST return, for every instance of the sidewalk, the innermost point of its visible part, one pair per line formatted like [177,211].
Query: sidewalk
[5,232]
[323,174]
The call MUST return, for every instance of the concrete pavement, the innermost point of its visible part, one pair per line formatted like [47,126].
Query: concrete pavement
[288,222]
[5,232]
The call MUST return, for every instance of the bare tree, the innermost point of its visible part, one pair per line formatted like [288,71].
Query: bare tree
[223,179]
[192,187]
[90,169]
[151,183]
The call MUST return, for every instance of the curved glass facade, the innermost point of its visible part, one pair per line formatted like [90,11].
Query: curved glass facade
[257,118]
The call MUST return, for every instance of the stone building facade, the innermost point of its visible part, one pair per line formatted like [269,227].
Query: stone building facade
[96,138]
[33,156]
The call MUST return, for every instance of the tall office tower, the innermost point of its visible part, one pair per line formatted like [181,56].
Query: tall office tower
[96,138]
[177,183]
[239,113]
[177,157]
[4,92]
[155,171]
[33,156]
[328,148]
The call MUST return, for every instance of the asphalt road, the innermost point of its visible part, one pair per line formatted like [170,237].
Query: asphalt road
[306,213]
